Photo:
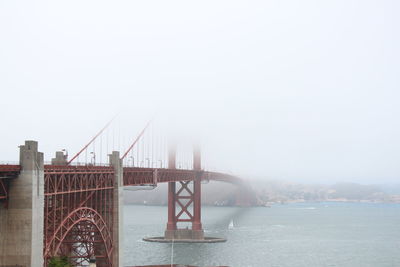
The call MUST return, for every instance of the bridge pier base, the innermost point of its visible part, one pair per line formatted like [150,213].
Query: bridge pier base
[184,234]
[21,224]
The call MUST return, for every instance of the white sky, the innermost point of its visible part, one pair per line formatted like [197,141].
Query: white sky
[296,90]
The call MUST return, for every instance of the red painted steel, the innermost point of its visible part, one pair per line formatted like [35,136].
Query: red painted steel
[146,176]
[91,141]
[136,140]
[184,205]
[196,224]
[184,198]
[6,173]
[151,176]
[78,213]
[9,171]
[171,224]
[3,189]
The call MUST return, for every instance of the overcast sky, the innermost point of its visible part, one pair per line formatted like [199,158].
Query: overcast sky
[298,90]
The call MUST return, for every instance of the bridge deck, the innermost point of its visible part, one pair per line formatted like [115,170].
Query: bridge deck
[9,171]
[132,175]
[68,179]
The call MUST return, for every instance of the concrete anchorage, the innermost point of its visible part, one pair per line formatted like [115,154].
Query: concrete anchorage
[61,159]
[21,224]
[118,205]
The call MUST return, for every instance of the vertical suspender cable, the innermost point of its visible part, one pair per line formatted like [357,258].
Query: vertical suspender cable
[101,149]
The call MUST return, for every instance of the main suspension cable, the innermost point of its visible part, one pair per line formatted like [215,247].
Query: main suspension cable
[91,141]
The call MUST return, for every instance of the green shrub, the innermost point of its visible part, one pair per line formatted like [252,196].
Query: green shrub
[59,262]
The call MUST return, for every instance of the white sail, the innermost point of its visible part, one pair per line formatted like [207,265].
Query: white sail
[231,226]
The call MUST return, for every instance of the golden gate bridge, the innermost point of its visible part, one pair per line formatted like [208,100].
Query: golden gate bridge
[74,209]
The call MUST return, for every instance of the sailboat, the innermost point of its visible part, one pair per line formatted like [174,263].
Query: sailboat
[231,226]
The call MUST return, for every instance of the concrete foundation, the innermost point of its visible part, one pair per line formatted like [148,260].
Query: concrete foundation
[162,239]
[21,224]
[184,234]
[118,206]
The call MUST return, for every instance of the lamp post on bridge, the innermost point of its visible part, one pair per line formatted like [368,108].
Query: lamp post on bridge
[93,158]
[148,162]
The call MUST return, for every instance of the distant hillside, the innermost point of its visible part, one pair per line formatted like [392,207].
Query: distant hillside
[279,191]
[393,189]
[269,192]
[213,193]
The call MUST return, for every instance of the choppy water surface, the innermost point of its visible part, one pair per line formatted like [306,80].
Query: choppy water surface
[323,234]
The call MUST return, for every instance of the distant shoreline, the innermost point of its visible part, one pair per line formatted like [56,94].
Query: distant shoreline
[276,204]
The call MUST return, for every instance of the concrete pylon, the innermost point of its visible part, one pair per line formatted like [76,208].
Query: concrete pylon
[118,206]
[21,225]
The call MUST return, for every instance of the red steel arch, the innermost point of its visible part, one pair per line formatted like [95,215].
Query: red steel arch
[78,213]
[85,238]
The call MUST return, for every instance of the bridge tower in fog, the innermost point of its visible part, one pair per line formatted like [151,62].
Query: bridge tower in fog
[184,202]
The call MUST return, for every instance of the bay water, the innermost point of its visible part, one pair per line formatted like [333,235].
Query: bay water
[306,234]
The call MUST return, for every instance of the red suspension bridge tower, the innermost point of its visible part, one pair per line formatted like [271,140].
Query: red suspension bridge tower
[184,205]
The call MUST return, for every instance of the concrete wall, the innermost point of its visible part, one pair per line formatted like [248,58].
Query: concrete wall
[118,206]
[60,159]
[21,225]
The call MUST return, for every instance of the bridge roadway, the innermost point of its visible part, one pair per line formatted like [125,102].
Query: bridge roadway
[63,179]
[7,171]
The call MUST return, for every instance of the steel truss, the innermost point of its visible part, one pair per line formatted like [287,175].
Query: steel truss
[4,191]
[146,176]
[78,213]
[6,173]
[9,171]
[184,199]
